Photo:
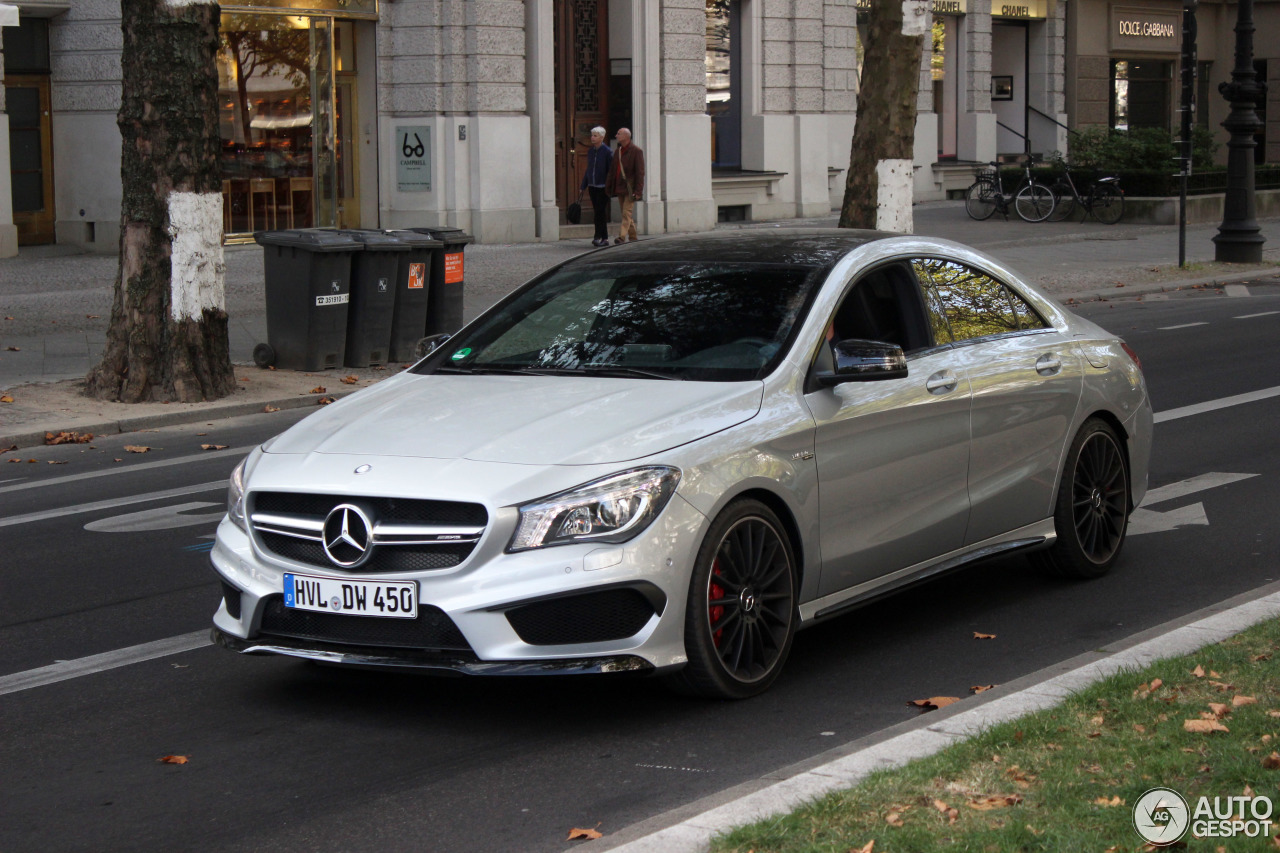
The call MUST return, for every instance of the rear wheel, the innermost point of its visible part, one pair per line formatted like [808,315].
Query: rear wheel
[1108,204]
[1064,202]
[1092,513]
[1034,202]
[741,614]
[980,200]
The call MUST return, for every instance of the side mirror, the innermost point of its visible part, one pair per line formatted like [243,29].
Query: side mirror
[425,346]
[864,361]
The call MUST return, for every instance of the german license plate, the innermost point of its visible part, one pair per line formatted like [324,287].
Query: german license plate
[395,599]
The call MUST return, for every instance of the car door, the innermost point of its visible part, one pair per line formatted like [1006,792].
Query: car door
[892,455]
[1026,383]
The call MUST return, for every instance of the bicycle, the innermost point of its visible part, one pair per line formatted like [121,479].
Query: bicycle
[1103,198]
[1032,201]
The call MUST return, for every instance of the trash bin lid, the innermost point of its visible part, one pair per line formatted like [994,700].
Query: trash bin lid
[449,236]
[375,241]
[414,239]
[309,239]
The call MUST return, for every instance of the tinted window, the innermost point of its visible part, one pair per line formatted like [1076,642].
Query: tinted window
[726,322]
[972,303]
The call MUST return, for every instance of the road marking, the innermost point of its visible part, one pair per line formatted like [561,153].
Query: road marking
[112,504]
[1236,290]
[1251,316]
[64,670]
[162,518]
[1143,520]
[141,466]
[1183,326]
[1214,405]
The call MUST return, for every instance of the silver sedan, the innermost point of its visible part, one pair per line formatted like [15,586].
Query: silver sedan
[667,457]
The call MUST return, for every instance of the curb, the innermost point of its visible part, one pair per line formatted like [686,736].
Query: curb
[690,829]
[35,437]
[1107,293]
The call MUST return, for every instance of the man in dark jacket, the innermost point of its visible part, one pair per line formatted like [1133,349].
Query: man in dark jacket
[626,181]
[599,159]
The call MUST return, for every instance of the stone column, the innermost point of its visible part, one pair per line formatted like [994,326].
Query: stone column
[976,139]
[8,231]
[684,183]
[839,89]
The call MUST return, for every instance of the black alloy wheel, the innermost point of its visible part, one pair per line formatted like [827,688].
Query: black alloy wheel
[741,614]
[1092,514]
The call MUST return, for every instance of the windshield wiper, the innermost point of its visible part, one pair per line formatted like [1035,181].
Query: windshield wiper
[624,371]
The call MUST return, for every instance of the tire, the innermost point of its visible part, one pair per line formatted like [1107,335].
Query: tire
[1108,204]
[1064,202]
[741,615]
[263,355]
[1091,516]
[980,200]
[1034,203]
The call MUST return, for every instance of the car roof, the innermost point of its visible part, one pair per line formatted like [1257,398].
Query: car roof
[806,247]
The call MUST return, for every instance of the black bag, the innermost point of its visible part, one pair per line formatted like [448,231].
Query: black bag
[574,213]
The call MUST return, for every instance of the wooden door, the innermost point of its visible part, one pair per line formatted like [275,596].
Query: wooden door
[581,88]
[30,156]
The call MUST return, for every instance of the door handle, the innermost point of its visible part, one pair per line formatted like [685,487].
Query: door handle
[941,382]
[1048,364]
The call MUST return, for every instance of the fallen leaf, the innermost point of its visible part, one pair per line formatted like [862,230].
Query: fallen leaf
[350,380]
[934,702]
[244,378]
[55,462]
[324,401]
[6,399]
[1155,685]
[271,367]
[68,437]
[15,460]
[1261,657]
[1271,762]
[1139,728]
[7,449]
[214,446]
[173,759]
[1114,801]
[136,448]
[1273,713]
[576,834]
[380,367]
[92,317]
[319,389]
[1220,685]
[980,636]
[893,819]
[869,847]
[941,806]
[1219,709]
[8,318]
[1198,672]
[1237,701]
[997,802]
[32,461]
[981,688]
[1204,726]
[1213,674]
[1036,832]
[270,408]
[15,349]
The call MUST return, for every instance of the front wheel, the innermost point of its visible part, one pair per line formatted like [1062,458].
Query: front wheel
[1092,512]
[980,200]
[741,614]
[1108,204]
[1034,202]
[1064,202]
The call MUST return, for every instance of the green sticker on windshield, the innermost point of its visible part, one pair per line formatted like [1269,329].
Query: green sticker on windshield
[462,353]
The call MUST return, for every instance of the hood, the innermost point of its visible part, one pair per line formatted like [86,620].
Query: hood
[528,420]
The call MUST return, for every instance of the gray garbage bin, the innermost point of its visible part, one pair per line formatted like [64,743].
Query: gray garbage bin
[308,292]
[413,290]
[374,276]
[445,313]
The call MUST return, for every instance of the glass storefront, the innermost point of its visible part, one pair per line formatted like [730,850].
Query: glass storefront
[286,86]
[1140,93]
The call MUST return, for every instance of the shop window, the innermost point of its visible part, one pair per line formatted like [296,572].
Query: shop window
[1141,90]
[724,81]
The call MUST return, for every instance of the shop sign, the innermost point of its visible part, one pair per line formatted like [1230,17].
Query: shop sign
[413,158]
[1145,30]
[340,8]
[939,7]
[1024,10]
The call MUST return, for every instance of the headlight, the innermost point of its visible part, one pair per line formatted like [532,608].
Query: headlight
[235,497]
[612,509]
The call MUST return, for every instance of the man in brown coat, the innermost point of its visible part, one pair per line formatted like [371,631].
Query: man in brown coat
[626,181]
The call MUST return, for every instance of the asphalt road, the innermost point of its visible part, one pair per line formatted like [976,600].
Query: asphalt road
[285,755]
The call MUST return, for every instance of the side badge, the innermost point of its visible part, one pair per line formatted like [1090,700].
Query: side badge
[364,469]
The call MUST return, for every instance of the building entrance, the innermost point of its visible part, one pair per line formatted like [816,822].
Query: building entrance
[581,89]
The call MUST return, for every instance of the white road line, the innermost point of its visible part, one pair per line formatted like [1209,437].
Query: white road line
[1183,326]
[111,504]
[1251,316]
[1214,405]
[1236,290]
[1191,486]
[100,663]
[141,466]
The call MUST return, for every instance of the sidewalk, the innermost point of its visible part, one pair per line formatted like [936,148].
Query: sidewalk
[55,305]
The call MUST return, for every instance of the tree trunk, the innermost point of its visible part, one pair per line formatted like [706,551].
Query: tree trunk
[168,334]
[878,188]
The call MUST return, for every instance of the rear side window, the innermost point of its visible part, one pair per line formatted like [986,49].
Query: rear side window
[968,303]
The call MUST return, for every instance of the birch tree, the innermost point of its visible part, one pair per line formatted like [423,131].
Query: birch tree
[167,340]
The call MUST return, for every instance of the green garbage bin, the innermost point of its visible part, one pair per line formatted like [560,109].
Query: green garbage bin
[374,273]
[413,290]
[445,312]
[308,292]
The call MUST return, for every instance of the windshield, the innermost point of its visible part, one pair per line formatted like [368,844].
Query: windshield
[697,321]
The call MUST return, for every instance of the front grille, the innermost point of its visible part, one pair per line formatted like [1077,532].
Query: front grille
[433,629]
[288,525]
[592,617]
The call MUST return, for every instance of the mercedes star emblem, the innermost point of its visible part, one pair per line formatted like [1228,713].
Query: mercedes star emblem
[347,535]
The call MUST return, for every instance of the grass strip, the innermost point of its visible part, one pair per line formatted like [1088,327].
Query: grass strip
[1067,778]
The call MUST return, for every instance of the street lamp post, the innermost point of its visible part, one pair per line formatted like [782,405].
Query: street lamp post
[1239,238]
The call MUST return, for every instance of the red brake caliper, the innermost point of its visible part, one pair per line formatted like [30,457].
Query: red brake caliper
[716,611]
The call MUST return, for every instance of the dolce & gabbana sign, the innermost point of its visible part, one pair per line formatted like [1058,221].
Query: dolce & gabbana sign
[1147,30]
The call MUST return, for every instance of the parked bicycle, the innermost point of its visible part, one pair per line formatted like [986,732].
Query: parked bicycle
[1032,200]
[1103,199]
